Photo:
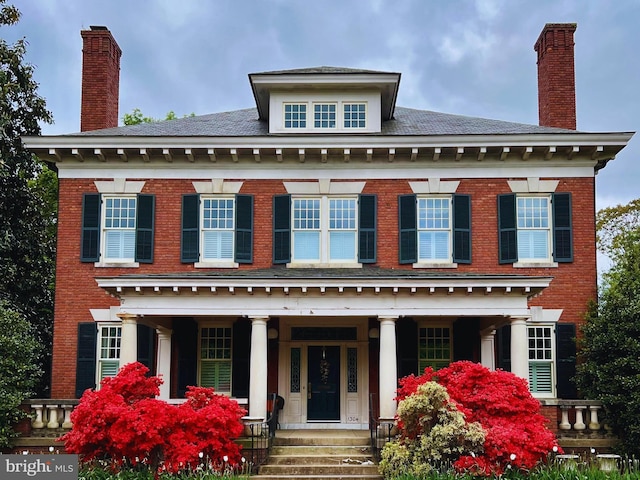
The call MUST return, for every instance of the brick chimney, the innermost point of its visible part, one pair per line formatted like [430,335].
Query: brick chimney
[556,76]
[100,79]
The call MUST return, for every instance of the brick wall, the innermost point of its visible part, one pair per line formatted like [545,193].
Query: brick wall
[77,292]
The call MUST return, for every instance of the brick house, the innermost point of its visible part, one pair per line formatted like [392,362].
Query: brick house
[325,242]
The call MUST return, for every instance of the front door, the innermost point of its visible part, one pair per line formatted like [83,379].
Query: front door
[323,394]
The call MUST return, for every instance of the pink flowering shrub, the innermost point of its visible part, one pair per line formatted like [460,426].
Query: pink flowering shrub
[516,432]
[124,423]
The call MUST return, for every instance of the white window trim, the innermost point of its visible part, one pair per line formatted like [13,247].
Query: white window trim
[532,262]
[212,262]
[366,115]
[214,324]
[439,324]
[339,121]
[336,120]
[324,261]
[99,359]
[552,327]
[437,262]
[114,262]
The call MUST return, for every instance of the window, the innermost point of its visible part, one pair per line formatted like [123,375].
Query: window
[434,347]
[117,228]
[541,359]
[324,229]
[109,338]
[535,228]
[355,115]
[295,115]
[324,115]
[215,358]
[217,229]
[435,229]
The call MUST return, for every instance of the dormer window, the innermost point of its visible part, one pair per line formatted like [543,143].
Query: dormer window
[295,115]
[324,115]
[355,115]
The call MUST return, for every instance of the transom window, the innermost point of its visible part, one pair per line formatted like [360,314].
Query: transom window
[355,115]
[434,229]
[119,228]
[295,115]
[218,229]
[215,358]
[434,347]
[109,351]
[534,228]
[324,115]
[540,359]
[324,229]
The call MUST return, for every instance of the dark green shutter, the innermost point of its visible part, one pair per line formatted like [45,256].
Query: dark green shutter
[145,216]
[244,229]
[462,228]
[185,334]
[282,229]
[189,246]
[241,343]
[507,232]
[146,347]
[367,228]
[566,360]
[408,233]
[90,246]
[503,343]
[86,357]
[562,231]
[407,347]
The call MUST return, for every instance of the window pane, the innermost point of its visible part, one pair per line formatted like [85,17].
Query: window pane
[324,116]
[342,245]
[306,245]
[217,245]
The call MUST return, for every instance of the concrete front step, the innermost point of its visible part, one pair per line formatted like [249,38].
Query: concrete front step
[319,454]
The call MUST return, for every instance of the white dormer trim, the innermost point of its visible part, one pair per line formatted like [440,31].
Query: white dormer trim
[434,185]
[217,185]
[324,186]
[119,185]
[533,185]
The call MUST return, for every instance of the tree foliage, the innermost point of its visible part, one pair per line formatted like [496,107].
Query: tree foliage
[126,425]
[18,369]
[28,192]
[613,224]
[136,117]
[610,345]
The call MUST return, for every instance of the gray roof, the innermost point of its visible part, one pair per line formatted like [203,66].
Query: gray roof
[245,123]
[323,70]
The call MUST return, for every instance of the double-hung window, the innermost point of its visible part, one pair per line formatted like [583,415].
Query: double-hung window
[295,115]
[435,229]
[324,115]
[434,347]
[324,229]
[355,115]
[535,228]
[541,361]
[215,358]
[109,338]
[117,229]
[217,229]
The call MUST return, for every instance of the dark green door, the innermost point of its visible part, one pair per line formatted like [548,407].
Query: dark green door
[323,401]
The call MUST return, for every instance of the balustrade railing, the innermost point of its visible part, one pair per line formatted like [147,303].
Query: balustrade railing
[49,417]
[580,416]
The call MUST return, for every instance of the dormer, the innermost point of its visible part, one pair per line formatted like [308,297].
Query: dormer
[325,100]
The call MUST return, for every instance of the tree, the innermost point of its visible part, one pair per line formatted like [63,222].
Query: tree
[136,117]
[613,223]
[27,195]
[610,345]
[18,369]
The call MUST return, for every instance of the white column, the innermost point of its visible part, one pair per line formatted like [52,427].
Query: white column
[258,368]
[488,347]
[519,347]
[388,367]
[163,361]
[129,339]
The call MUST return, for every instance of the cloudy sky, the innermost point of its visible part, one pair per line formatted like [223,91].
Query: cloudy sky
[464,57]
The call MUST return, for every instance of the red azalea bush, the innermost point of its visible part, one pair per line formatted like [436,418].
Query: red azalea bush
[516,432]
[123,422]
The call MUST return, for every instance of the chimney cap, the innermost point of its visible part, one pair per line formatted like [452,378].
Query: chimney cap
[98,27]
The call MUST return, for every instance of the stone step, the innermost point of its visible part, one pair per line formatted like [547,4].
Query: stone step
[330,471]
[322,440]
[349,450]
[324,459]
